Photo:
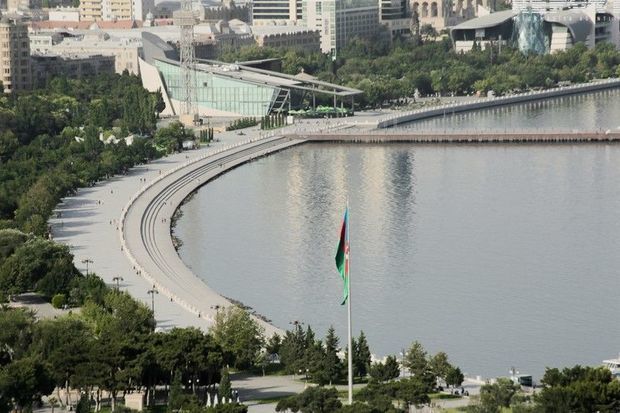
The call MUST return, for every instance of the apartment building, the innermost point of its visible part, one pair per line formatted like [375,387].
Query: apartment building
[15,72]
[339,21]
[276,12]
[95,10]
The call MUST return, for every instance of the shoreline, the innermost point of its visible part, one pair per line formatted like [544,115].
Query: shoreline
[90,227]
[153,253]
[91,238]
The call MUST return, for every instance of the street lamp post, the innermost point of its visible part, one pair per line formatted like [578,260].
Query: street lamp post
[305,378]
[296,323]
[194,383]
[152,293]
[87,261]
[117,280]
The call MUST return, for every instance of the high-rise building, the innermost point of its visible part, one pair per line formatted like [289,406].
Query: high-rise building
[269,12]
[341,20]
[95,10]
[15,71]
[396,16]
[394,9]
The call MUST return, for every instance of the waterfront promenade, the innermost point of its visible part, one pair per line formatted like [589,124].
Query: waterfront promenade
[90,223]
[399,118]
[121,227]
[377,136]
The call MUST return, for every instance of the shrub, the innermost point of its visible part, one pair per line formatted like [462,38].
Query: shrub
[59,300]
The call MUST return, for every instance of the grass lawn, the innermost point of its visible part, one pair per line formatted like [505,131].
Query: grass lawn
[270,400]
[443,396]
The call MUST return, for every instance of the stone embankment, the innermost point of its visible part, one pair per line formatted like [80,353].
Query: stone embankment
[488,138]
[144,226]
[419,114]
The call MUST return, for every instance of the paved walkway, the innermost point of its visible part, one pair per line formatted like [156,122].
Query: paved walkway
[145,228]
[88,223]
[36,303]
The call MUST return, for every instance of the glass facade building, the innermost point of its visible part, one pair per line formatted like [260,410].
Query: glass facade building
[220,92]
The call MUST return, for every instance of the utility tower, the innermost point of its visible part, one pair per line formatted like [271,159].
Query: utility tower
[185,19]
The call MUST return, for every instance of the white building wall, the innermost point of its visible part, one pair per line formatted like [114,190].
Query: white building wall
[151,81]
[64,14]
[561,39]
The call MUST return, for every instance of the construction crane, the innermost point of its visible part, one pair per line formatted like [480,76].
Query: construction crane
[186,19]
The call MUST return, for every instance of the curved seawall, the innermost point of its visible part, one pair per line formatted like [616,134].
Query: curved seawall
[419,114]
[144,228]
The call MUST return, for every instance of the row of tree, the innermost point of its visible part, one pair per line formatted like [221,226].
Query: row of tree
[388,73]
[577,390]
[110,347]
[242,123]
[273,121]
[52,142]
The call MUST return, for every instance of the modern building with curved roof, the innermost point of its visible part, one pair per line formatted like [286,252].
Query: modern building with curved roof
[224,89]
[483,30]
[543,26]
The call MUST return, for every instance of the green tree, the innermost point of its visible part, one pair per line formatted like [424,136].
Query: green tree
[239,336]
[361,356]
[414,391]
[428,32]
[439,365]
[10,240]
[15,333]
[332,363]
[225,388]
[578,389]
[176,397]
[273,344]
[386,371]
[40,265]
[170,138]
[416,359]
[24,381]
[65,344]
[454,377]
[292,350]
[312,400]
[494,397]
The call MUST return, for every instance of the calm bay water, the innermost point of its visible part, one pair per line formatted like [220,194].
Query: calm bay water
[500,255]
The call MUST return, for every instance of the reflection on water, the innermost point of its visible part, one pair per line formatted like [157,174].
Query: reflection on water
[588,112]
[499,255]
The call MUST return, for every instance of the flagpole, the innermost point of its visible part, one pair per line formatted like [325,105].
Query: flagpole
[348,266]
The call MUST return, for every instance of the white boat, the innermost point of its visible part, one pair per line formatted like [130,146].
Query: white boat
[613,365]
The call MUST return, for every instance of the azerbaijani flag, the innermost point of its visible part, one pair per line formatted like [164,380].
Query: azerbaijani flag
[342,256]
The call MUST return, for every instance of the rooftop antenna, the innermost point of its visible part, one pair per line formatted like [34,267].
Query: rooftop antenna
[185,19]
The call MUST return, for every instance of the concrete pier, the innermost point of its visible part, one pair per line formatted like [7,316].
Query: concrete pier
[431,138]
[419,114]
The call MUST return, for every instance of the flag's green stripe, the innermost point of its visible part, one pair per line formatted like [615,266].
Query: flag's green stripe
[340,258]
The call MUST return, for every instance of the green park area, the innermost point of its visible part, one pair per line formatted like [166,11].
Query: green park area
[389,74]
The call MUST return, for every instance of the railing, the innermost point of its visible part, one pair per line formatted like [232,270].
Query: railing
[418,114]
[346,130]
[121,228]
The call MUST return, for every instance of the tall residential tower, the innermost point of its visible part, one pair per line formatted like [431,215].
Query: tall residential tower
[15,72]
[96,10]
[279,12]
